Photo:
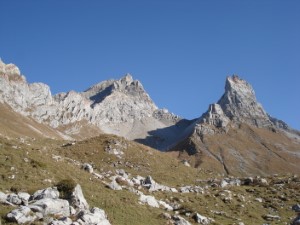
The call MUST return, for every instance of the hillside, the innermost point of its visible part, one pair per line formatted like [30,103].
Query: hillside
[28,165]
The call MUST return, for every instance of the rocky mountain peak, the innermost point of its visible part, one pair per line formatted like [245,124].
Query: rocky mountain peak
[11,72]
[240,105]
[127,79]
[128,85]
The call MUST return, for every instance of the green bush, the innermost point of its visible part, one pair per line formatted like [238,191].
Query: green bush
[66,187]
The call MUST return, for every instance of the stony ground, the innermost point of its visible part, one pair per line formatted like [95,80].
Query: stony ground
[135,184]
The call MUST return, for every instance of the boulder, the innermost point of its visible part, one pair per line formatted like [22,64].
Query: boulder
[114,186]
[270,217]
[95,216]
[14,199]
[50,192]
[185,189]
[152,185]
[88,167]
[149,200]
[122,173]
[21,215]
[49,206]
[224,183]
[77,199]
[24,197]
[202,219]
[178,220]
[165,205]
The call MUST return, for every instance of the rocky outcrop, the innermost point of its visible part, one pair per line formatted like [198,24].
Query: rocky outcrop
[240,105]
[237,105]
[24,98]
[46,205]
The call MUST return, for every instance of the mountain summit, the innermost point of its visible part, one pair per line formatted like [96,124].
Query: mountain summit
[237,136]
[239,103]
[120,107]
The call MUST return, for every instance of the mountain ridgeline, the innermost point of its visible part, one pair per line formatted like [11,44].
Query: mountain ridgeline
[234,136]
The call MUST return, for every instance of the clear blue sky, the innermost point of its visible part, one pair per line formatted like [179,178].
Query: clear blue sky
[181,51]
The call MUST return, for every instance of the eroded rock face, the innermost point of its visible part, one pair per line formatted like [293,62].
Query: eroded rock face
[50,192]
[240,105]
[237,105]
[21,215]
[47,207]
[113,105]
[77,199]
[24,98]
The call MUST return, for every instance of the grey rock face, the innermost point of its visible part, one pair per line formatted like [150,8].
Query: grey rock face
[113,105]
[122,107]
[24,98]
[48,206]
[95,216]
[77,199]
[50,192]
[215,116]
[21,215]
[237,105]
[240,105]
[14,199]
[24,197]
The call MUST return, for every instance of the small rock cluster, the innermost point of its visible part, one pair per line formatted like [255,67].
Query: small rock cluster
[46,205]
[122,180]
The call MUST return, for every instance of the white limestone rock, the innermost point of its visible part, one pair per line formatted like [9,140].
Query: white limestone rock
[152,185]
[202,219]
[14,199]
[77,199]
[149,200]
[165,205]
[21,215]
[95,216]
[240,105]
[114,186]
[48,206]
[88,167]
[50,192]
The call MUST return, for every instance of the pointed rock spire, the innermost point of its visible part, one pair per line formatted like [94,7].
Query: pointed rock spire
[240,105]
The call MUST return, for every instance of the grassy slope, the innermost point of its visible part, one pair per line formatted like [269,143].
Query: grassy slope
[245,151]
[122,206]
[15,125]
